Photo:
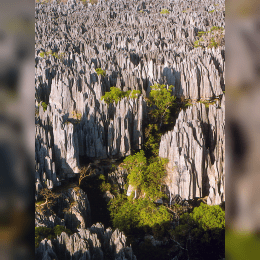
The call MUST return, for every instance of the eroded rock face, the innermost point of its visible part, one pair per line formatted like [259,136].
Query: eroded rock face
[196,152]
[92,243]
[130,40]
[119,178]
[45,250]
[72,210]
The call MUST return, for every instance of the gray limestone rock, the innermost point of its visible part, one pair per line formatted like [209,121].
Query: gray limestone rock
[92,243]
[196,152]
[72,210]
[119,178]
[45,251]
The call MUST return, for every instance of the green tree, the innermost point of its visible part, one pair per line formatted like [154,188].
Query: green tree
[115,95]
[152,139]
[153,177]
[136,165]
[206,228]
[129,215]
[146,176]
[162,101]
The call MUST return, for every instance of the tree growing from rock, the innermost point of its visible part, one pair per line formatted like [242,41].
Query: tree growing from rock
[49,197]
[83,173]
[115,95]
[161,100]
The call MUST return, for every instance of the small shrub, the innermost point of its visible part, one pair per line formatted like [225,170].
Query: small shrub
[42,54]
[135,93]
[104,186]
[207,102]
[100,72]
[212,38]
[216,28]
[76,115]
[136,165]
[200,33]
[213,43]
[164,11]
[153,177]
[54,54]
[59,229]
[93,2]
[44,106]
[49,233]
[115,95]
[187,104]
[41,233]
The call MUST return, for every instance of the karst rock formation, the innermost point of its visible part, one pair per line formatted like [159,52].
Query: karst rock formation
[137,46]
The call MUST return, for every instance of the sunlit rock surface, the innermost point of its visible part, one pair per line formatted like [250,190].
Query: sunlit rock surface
[196,152]
[92,243]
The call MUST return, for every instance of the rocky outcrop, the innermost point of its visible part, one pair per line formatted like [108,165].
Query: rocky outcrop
[118,178]
[77,215]
[130,41]
[45,251]
[196,152]
[92,243]
[71,209]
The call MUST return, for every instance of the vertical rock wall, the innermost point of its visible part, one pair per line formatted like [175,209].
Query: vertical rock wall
[196,152]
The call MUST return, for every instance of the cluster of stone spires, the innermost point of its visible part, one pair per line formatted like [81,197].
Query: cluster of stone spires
[137,46]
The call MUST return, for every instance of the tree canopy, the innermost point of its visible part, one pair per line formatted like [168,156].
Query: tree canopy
[115,95]
[161,100]
[146,176]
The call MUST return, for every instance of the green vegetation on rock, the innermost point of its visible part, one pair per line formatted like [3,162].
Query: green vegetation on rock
[100,72]
[152,139]
[115,95]
[161,100]
[206,228]
[145,175]
[44,106]
[48,53]
[142,213]
[129,215]
[212,38]
[49,233]
[164,11]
